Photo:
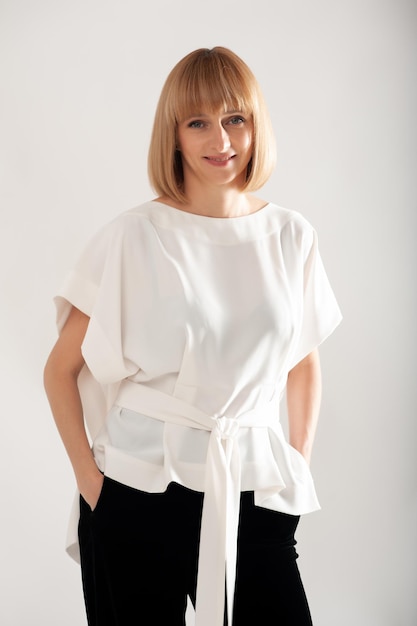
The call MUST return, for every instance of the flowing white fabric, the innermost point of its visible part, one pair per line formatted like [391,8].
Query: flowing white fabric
[205,316]
[220,517]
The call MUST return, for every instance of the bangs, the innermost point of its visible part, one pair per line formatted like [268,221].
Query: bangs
[213,82]
[207,81]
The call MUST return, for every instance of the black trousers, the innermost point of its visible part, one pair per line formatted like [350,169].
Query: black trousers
[139,554]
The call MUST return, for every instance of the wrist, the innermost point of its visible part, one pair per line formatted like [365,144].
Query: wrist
[304,448]
[86,470]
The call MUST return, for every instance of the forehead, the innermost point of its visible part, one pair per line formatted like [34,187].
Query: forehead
[209,105]
[210,93]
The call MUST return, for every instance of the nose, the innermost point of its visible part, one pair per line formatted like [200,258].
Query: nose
[220,140]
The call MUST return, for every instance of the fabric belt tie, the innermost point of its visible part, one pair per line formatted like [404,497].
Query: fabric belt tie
[220,516]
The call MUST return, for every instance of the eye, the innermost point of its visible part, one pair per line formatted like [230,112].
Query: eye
[236,120]
[196,124]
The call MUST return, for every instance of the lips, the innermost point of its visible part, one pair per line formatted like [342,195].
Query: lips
[223,159]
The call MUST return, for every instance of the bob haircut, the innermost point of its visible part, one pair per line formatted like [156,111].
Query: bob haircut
[207,79]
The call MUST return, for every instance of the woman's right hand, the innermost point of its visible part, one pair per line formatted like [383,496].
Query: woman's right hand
[90,488]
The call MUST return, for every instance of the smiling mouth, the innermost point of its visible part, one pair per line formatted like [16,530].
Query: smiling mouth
[220,159]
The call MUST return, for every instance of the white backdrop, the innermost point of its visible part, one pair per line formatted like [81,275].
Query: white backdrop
[79,83]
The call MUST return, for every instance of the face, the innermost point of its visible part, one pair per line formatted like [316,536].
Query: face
[216,148]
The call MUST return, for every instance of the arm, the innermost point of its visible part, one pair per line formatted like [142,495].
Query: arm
[60,378]
[303,402]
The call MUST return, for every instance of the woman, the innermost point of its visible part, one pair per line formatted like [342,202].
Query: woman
[182,325]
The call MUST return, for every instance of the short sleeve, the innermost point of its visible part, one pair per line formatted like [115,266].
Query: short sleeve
[320,312]
[81,284]
[94,286]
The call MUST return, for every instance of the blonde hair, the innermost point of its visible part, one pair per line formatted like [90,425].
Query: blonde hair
[207,79]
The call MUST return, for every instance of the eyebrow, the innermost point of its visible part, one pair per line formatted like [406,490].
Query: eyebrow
[189,117]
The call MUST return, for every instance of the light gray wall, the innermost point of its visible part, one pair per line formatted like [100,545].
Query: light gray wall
[79,83]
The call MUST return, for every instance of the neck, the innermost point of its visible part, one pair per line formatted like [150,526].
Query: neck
[217,202]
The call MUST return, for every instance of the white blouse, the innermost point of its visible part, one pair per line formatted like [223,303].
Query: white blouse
[194,325]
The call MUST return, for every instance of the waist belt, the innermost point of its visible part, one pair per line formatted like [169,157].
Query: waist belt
[220,516]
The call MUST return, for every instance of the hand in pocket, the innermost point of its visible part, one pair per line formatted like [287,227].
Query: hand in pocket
[91,489]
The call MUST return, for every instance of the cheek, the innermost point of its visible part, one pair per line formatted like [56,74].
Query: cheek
[186,144]
[248,142]
[248,145]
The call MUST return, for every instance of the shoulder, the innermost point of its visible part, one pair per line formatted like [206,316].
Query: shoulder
[123,224]
[291,223]
[117,237]
[136,215]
